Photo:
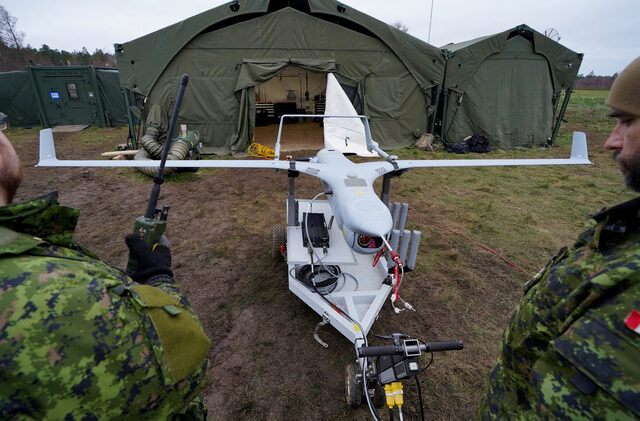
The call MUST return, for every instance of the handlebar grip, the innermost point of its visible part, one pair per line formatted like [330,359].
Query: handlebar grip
[442,346]
[376,351]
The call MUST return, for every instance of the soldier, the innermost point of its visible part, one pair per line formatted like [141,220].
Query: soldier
[572,347]
[79,339]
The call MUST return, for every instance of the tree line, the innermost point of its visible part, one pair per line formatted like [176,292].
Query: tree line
[592,74]
[14,55]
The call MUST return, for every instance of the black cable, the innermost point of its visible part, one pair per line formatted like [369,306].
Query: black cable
[420,396]
[308,274]
[310,243]
[430,361]
[390,414]
[330,269]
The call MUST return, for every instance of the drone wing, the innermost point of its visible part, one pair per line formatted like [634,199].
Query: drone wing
[579,156]
[48,159]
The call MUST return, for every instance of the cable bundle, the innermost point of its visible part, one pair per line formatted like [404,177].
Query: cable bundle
[261,151]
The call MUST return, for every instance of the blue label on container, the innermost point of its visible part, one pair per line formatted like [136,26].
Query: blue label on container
[54,95]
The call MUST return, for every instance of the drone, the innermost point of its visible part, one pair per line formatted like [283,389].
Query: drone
[363,220]
[347,254]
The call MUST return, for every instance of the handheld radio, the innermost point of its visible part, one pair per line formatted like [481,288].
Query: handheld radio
[152,225]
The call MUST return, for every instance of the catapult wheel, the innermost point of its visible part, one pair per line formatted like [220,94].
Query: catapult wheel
[278,240]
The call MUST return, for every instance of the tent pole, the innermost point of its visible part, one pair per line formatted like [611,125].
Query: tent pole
[565,103]
[432,125]
[443,121]
[132,131]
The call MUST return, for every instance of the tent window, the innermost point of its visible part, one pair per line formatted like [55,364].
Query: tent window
[72,90]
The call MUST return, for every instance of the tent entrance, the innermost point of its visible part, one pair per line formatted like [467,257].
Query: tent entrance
[293,90]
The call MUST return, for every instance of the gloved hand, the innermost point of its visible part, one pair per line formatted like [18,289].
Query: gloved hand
[149,264]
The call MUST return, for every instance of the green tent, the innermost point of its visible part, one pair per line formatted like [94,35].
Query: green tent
[18,100]
[49,96]
[506,87]
[229,51]
[112,97]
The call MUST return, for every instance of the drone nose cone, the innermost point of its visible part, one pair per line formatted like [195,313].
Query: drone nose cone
[371,217]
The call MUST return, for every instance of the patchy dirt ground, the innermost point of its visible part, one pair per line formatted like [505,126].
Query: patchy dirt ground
[265,364]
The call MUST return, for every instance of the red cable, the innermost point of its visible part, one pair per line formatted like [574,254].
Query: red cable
[396,275]
[474,243]
[378,255]
[336,309]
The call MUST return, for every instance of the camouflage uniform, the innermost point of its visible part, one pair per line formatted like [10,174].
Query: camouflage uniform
[566,352]
[79,340]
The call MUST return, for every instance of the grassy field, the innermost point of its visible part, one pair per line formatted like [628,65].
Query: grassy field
[459,290]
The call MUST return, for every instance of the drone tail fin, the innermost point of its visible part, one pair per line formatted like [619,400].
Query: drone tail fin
[579,147]
[47,148]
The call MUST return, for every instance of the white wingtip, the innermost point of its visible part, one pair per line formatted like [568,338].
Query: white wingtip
[47,148]
[579,146]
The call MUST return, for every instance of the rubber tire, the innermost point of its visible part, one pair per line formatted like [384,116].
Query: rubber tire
[352,388]
[278,239]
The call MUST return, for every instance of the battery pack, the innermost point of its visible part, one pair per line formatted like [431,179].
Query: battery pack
[316,226]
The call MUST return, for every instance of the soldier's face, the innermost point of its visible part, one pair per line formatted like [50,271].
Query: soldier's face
[625,142]
[10,170]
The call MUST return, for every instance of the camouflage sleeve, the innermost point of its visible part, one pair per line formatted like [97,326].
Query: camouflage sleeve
[592,369]
[170,286]
[77,339]
[565,352]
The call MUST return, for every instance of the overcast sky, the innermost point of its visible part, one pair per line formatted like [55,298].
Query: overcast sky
[607,32]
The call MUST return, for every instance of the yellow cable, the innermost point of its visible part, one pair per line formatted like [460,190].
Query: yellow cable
[261,151]
[396,387]
[388,392]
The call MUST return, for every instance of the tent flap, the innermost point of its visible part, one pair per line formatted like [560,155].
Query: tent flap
[254,72]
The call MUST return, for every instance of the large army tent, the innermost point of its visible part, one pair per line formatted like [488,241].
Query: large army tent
[51,96]
[506,87]
[229,51]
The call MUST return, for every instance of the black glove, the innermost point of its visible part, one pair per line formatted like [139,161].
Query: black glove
[149,264]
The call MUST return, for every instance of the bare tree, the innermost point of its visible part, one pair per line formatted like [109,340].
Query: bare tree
[9,34]
[399,25]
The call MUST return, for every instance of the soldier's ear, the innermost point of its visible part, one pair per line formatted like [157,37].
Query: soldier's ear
[10,171]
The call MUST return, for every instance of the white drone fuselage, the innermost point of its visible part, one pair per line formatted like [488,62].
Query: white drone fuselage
[358,211]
